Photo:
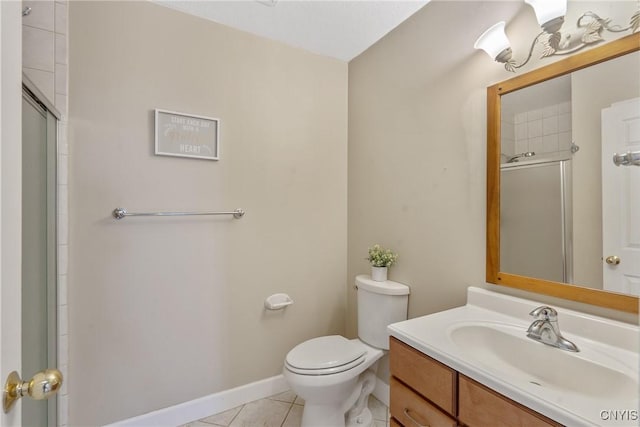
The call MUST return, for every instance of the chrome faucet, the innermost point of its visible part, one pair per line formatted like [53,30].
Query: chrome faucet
[545,329]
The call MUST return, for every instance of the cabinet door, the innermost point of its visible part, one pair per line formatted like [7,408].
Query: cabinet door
[430,378]
[412,410]
[480,406]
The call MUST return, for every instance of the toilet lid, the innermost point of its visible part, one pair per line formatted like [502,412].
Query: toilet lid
[326,354]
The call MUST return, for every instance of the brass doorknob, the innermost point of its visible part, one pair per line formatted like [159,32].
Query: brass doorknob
[612,260]
[43,385]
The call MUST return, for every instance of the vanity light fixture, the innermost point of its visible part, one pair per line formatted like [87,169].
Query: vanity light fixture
[494,41]
[550,15]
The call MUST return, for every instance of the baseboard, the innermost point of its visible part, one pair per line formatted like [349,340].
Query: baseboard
[203,407]
[381,392]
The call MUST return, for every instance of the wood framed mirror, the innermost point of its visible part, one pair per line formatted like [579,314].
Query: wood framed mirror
[496,272]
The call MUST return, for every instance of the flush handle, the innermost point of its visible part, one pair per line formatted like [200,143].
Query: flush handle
[42,386]
[612,260]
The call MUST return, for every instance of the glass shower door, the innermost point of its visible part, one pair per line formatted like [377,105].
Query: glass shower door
[535,237]
[39,270]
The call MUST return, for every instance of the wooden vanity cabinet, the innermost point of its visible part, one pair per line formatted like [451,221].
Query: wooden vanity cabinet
[425,392]
[480,406]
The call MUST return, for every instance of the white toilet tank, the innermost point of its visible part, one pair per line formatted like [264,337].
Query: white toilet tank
[379,305]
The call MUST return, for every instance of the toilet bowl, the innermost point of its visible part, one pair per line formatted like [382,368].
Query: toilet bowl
[331,387]
[335,375]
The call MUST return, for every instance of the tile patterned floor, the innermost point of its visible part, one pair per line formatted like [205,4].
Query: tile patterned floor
[281,410]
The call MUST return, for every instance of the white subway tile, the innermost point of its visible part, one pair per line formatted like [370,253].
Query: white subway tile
[63,410]
[63,350]
[550,125]
[534,129]
[63,145]
[520,118]
[41,15]
[63,200]
[521,130]
[61,18]
[61,104]
[63,169]
[550,143]
[522,146]
[62,289]
[64,390]
[63,262]
[535,145]
[61,79]
[63,229]
[37,49]
[550,111]
[534,115]
[564,107]
[61,49]
[63,320]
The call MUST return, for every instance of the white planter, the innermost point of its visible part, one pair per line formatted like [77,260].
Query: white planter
[379,274]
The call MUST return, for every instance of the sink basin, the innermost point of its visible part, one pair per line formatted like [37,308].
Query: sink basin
[506,350]
[486,340]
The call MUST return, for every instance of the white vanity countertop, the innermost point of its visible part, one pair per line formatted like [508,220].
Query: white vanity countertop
[526,374]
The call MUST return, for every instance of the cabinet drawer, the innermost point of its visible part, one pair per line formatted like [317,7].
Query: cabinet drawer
[480,406]
[394,423]
[412,410]
[430,378]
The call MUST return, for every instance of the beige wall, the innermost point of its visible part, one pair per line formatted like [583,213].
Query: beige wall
[417,147]
[165,310]
[417,155]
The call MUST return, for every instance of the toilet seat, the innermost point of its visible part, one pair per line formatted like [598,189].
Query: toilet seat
[324,356]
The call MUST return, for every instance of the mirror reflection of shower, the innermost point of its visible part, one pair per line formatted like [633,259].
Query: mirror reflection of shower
[536,232]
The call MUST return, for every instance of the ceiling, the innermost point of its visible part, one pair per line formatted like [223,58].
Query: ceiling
[340,29]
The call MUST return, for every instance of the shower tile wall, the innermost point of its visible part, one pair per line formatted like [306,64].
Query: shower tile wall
[543,131]
[44,61]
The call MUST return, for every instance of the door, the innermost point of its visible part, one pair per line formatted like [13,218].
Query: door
[10,189]
[621,199]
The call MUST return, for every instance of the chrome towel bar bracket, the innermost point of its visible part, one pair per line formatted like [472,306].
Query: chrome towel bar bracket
[627,159]
[119,213]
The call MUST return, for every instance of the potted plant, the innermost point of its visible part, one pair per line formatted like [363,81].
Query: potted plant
[381,259]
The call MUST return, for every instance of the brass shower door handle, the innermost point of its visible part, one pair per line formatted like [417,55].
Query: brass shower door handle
[42,386]
[612,260]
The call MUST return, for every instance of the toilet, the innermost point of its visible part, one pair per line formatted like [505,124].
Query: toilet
[335,375]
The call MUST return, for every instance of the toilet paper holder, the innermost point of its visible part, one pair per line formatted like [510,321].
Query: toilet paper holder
[277,301]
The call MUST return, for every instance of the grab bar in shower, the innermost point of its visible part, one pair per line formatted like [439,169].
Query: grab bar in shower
[629,158]
[119,213]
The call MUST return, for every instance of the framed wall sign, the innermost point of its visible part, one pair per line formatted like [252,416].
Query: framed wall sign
[186,135]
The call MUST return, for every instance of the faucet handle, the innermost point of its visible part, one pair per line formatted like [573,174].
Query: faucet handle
[544,313]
